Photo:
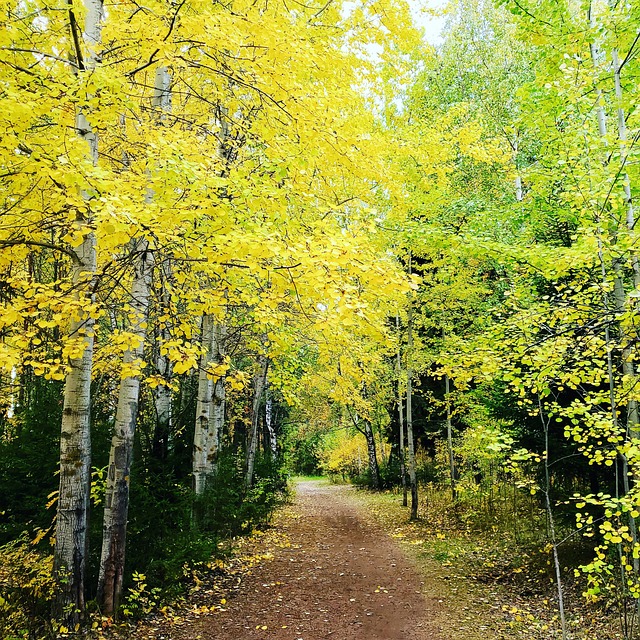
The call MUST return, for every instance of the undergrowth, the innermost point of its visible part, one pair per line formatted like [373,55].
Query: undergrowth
[504,557]
[174,539]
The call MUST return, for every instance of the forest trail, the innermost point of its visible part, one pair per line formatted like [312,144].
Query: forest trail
[342,578]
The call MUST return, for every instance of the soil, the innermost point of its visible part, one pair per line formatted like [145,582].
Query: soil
[339,576]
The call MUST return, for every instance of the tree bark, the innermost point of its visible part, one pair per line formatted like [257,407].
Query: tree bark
[162,400]
[218,402]
[204,405]
[75,453]
[259,383]
[374,469]
[268,420]
[70,551]
[162,395]
[413,482]
[116,504]
[452,464]
[403,471]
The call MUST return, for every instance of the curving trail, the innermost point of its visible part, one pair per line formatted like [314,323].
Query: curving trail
[342,578]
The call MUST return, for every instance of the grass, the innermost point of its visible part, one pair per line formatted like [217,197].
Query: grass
[493,584]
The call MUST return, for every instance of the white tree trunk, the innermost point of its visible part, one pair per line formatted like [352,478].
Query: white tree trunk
[259,382]
[204,404]
[452,464]
[116,510]
[162,394]
[403,470]
[413,482]
[268,420]
[75,451]
[116,503]
[75,441]
[621,300]
[162,399]
[218,400]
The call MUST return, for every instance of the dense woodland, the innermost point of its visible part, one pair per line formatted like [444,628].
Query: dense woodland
[242,240]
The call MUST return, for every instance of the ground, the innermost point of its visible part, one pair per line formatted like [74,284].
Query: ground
[343,564]
[334,573]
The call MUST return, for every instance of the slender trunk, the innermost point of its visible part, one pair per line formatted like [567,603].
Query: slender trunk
[259,382]
[218,402]
[116,510]
[162,395]
[452,464]
[622,303]
[374,470]
[624,151]
[268,419]
[162,400]
[116,503]
[403,471]
[621,299]
[518,180]
[550,523]
[410,441]
[75,453]
[70,551]
[204,404]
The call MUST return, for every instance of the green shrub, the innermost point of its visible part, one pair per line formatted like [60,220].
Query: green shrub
[27,589]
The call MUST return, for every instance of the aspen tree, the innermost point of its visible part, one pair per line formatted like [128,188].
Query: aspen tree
[70,555]
[374,470]
[162,395]
[204,404]
[413,481]
[259,384]
[268,422]
[210,403]
[622,302]
[116,502]
[403,471]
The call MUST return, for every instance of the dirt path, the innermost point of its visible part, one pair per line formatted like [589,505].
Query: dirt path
[342,578]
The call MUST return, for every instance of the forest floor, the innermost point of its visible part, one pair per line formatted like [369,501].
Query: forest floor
[336,565]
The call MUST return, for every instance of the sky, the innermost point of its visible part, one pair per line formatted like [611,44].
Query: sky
[432,25]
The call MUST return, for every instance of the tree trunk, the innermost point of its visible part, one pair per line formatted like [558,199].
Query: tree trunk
[403,471]
[621,299]
[75,454]
[116,504]
[518,180]
[259,382]
[374,470]
[70,551]
[162,400]
[410,441]
[452,464]
[218,401]
[204,404]
[162,395]
[268,420]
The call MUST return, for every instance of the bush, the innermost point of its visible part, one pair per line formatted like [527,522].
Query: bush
[27,589]
[170,528]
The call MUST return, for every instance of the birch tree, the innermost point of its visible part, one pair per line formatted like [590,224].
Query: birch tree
[259,384]
[70,556]
[210,403]
[116,509]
